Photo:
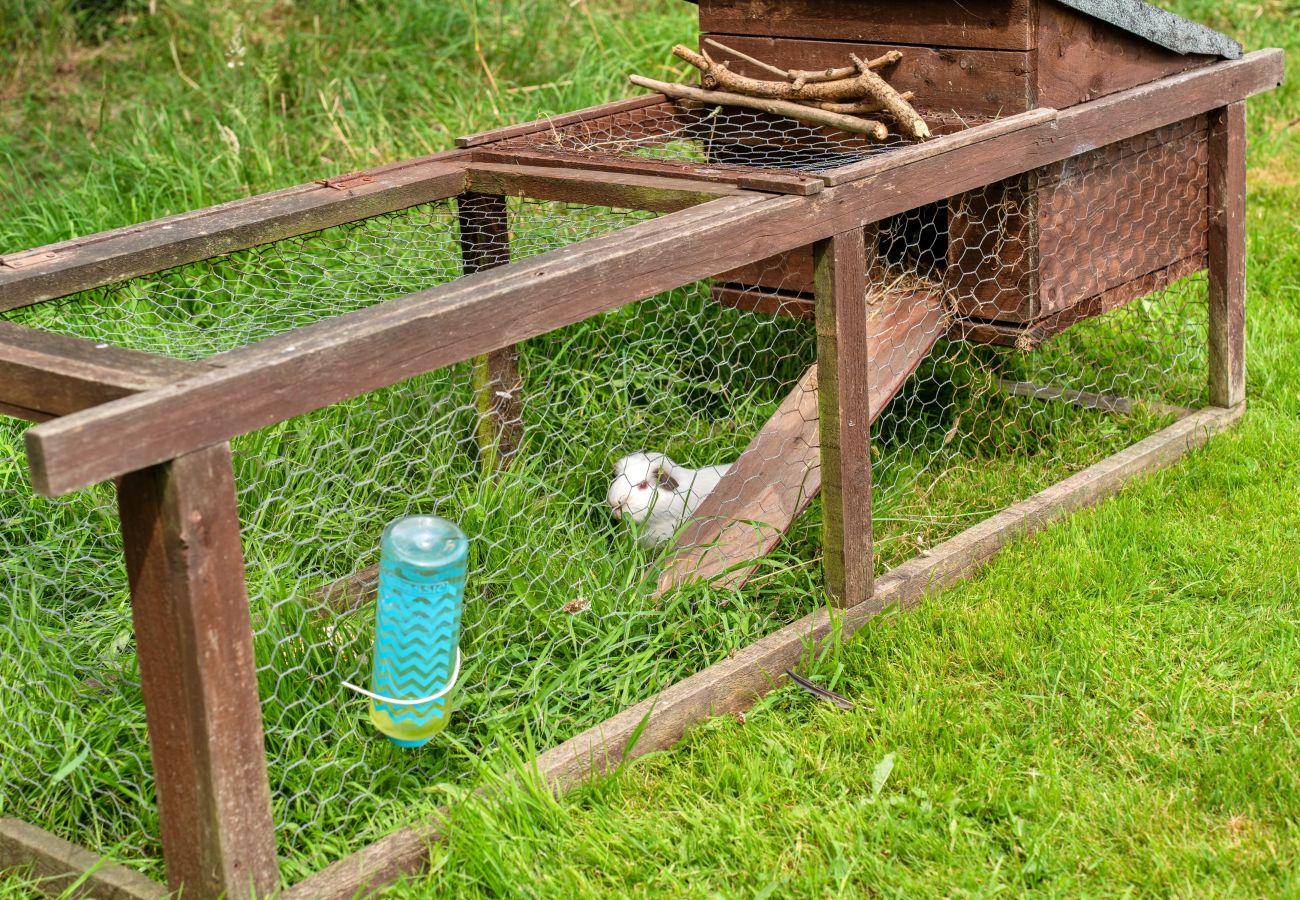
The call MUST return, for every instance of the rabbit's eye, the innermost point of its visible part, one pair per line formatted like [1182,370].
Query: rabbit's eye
[643,486]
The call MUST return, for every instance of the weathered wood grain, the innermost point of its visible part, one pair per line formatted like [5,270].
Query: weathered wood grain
[733,685]
[1227,255]
[194,642]
[53,374]
[989,24]
[944,79]
[844,347]
[779,473]
[484,224]
[371,348]
[758,179]
[765,300]
[57,865]
[1081,58]
[619,190]
[1089,399]
[112,256]
[554,123]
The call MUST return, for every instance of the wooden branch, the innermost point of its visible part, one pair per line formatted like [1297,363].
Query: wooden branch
[815,76]
[863,82]
[899,109]
[766,67]
[872,129]
[864,106]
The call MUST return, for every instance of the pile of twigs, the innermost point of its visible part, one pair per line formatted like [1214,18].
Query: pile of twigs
[836,98]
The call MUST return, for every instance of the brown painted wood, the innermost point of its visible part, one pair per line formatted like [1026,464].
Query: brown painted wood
[994,236]
[1227,255]
[371,348]
[989,24]
[944,79]
[844,414]
[736,683]
[1101,225]
[1089,399]
[112,256]
[909,154]
[194,641]
[618,190]
[498,389]
[1030,335]
[765,300]
[57,865]
[779,473]
[575,160]
[1081,58]
[54,374]
[553,123]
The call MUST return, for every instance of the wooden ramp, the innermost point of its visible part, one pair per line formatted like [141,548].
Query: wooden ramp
[779,474]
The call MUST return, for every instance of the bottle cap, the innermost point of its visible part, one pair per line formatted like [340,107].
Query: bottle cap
[426,541]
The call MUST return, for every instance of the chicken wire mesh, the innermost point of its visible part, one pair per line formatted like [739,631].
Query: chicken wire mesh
[567,617]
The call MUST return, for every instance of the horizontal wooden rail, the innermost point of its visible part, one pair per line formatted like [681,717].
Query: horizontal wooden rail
[619,190]
[551,123]
[46,375]
[63,869]
[352,354]
[61,269]
[734,684]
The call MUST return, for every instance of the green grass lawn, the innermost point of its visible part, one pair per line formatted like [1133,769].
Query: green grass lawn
[1110,708]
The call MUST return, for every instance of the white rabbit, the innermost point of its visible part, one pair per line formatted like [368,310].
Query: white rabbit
[653,491]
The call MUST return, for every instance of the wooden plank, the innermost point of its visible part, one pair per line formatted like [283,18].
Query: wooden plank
[1089,399]
[988,24]
[484,224]
[361,351]
[765,300]
[1028,336]
[194,641]
[736,683]
[66,268]
[552,123]
[944,79]
[54,374]
[774,182]
[1102,226]
[1227,255]
[57,865]
[910,154]
[994,241]
[779,474]
[1081,58]
[844,417]
[618,190]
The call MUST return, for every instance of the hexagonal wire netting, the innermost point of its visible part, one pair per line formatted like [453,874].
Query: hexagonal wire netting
[1009,350]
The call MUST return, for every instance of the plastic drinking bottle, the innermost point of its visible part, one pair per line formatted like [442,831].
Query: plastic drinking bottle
[417,629]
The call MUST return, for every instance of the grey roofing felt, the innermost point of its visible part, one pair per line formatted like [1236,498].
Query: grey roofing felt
[1159,26]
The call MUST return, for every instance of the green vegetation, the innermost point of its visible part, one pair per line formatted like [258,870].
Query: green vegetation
[1109,709]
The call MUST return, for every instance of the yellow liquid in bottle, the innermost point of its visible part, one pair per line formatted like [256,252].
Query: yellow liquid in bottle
[404,732]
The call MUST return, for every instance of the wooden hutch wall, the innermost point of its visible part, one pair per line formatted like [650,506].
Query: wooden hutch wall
[1058,241]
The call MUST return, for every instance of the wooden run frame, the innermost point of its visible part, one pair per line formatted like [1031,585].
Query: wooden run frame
[161,427]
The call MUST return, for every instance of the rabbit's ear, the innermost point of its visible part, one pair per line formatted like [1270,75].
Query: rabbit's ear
[666,479]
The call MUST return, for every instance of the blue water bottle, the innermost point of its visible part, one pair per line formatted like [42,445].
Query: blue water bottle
[422,568]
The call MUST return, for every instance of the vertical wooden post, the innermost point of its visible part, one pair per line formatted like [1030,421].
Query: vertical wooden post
[498,390]
[844,419]
[194,641]
[1227,255]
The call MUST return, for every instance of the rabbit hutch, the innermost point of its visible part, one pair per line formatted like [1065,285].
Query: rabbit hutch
[898,343]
